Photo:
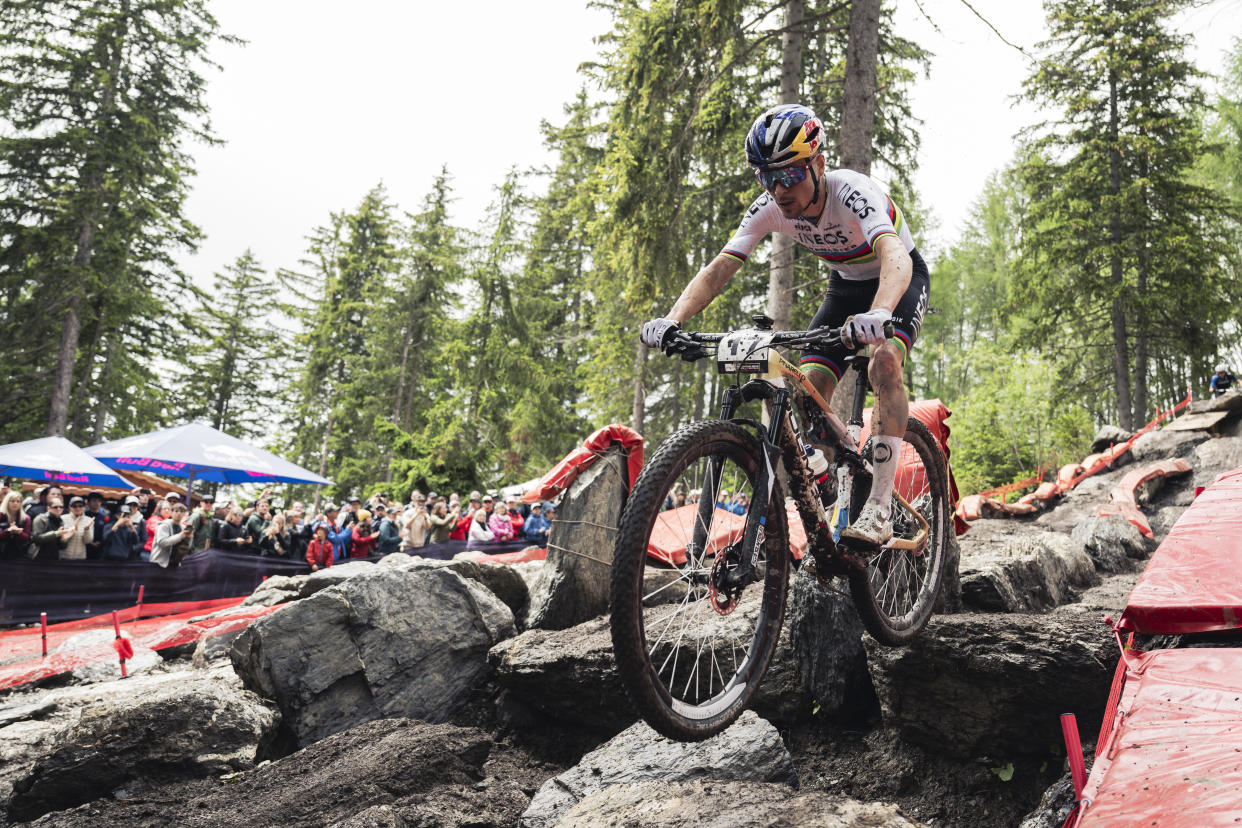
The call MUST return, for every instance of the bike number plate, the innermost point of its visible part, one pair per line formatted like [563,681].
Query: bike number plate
[745,352]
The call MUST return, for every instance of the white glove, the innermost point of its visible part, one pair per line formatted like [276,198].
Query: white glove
[657,330]
[865,328]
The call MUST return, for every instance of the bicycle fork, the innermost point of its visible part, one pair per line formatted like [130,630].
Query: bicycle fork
[734,579]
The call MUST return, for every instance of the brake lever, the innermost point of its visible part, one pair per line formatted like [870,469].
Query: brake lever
[693,354]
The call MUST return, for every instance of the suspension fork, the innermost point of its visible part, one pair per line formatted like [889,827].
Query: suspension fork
[845,470]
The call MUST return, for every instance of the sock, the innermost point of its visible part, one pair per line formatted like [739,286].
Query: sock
[886,451]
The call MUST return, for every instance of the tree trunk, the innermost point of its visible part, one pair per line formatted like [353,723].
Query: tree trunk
[1121,361]
[858,112]
[84,381]
[323,458]
[780,275]
[858,126]
[1140,321]
[103,408]
[638,416]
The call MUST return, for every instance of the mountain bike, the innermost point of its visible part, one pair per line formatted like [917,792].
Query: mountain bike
[700,574]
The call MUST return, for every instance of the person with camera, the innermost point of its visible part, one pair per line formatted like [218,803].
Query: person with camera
[173,538]
[14,528]
[231,536]
[415,524]
[203,522]
[121,541]
[362,537]
[275,541]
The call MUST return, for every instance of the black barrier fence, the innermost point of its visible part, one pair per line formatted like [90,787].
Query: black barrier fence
[69,590]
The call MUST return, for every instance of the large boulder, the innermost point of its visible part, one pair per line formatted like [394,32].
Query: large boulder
[1107,437]
[390,642]
[1112,542]
[391,772]
[1212,457]
[750,749]
[1029,573]
[503,580]
[573,583]
[193,728]
[704,803]
[995,685]
[321,579]
[568,674]
[825,637]
[276,589]
[1165,444]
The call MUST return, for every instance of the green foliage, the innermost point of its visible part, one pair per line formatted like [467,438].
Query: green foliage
[1013,419]
[1122,277]
[98,100]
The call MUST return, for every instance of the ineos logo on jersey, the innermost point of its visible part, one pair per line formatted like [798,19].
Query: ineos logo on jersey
[857,203]
[823,239]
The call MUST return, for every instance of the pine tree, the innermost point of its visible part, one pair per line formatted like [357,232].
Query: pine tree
[237,365]
[1121,271]
[100,98]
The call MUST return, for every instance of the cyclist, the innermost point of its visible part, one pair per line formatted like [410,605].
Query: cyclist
[1222,380]
[845,218]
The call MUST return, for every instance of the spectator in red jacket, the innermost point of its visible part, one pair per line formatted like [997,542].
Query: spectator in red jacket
[319,550]
[515,515]
[364,537]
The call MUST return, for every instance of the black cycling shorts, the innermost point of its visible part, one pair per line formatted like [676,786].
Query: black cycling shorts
[847,297]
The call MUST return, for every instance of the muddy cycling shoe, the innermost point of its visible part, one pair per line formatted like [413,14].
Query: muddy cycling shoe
[870,529]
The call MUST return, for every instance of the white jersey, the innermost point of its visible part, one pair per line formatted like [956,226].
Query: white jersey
[858,213]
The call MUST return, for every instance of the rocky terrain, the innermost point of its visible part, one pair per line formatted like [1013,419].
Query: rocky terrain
[415,693]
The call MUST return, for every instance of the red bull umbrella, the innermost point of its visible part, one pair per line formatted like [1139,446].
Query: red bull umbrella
[56,460]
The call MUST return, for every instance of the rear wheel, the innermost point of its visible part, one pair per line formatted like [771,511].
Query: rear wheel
[896,592]
[691,651]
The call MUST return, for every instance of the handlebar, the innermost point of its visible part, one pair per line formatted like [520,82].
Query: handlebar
[689,344]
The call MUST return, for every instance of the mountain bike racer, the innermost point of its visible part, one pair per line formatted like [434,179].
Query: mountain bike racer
[878,276]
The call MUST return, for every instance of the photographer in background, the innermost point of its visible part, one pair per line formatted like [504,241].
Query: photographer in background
[121,541]
[49,533]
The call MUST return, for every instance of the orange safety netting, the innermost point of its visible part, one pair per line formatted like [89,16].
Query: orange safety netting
[152,626]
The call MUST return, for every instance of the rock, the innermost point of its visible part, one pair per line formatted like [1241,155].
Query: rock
[750,749]
[192,728]
[397,772]
[1212,457]
[104,664]
[1055,804]
[1108,436]
[503,580]
[333,575]
[568,674]
[277,589]
[390,642]
[976,685]
[573,583]
[1164,520]
[1161,445]
[1030,573]
[825,636]
[1112,542]
[23,742]
[214,648]
[703,803]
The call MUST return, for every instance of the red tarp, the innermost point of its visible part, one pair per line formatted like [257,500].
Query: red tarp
[675,527]
[563,473]
[1122,500]
[1192,584]
[1174,754]
[521,556]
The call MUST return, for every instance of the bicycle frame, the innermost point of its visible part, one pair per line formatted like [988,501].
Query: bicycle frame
[780,443]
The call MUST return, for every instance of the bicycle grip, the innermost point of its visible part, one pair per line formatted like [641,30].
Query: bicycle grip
[888,330]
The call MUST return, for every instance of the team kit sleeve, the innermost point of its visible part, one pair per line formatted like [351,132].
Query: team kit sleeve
[755,224]
[877,214]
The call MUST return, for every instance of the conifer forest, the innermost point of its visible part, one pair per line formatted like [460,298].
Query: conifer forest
[1096,279]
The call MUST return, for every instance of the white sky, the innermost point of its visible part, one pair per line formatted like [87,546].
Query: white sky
[329,99]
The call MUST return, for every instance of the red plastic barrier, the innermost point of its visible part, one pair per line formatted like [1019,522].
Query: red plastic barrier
[521,556]
[1171,757]
[1191,583]
[155,632]
[1122,496]
[563,473]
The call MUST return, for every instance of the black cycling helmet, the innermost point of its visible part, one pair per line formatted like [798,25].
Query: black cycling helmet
[784,135]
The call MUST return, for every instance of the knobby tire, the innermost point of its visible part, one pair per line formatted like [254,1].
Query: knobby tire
[699,718]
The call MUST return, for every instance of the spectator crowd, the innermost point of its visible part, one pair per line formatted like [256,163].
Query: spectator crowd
[163,531]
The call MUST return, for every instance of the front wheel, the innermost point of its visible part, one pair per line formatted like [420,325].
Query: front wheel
[691,652]
[897,590]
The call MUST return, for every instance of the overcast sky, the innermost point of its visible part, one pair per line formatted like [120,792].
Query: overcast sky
[326,100]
